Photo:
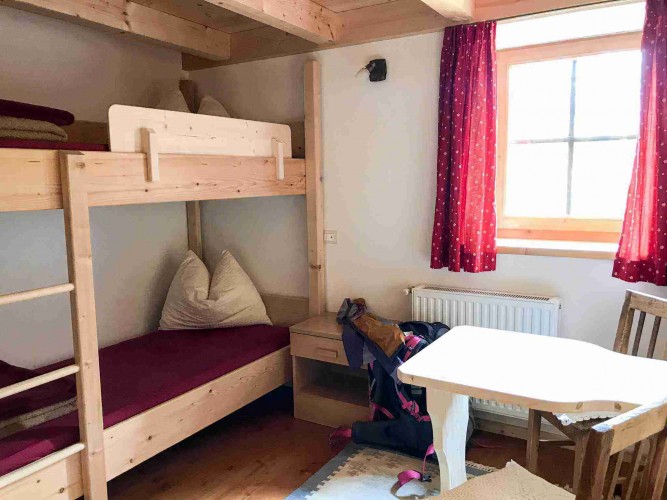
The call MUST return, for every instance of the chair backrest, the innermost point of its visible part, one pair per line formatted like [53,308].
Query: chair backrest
[642,428]
[645,304]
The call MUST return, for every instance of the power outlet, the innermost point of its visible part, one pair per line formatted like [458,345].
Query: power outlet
[331,237]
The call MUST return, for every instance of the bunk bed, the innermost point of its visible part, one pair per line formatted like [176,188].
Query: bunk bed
[77,453]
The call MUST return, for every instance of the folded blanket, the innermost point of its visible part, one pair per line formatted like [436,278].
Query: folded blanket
[48,395]
[25,421]
[34,112]
[23,128]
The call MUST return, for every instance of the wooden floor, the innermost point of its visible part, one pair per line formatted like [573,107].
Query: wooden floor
[262,452]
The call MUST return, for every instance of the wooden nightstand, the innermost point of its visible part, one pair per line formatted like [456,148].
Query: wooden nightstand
[326,390]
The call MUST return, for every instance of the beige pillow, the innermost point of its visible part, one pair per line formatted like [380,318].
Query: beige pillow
[210,106]
[173,101]
[511,483]
[195,301]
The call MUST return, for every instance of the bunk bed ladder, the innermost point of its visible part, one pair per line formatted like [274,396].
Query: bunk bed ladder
[84,324]
[84,329]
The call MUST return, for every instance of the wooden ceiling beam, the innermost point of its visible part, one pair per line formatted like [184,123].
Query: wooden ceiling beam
[381,20]
[376,22]
[206,14]
[122,16]
[453,10]
[303,18]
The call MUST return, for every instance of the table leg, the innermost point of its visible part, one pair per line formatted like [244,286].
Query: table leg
[449,416]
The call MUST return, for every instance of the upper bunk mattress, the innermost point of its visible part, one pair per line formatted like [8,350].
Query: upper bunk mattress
[143,372]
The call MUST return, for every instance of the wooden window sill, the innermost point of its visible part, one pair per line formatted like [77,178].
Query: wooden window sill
[544,248]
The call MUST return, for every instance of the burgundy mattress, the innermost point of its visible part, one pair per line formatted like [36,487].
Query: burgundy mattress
[144,372]
[63,146]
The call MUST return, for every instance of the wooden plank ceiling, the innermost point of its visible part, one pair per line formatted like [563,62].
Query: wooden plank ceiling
[217,32]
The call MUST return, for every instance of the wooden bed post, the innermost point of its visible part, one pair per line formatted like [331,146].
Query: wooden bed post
[195,242]
[84,323]
[314,198]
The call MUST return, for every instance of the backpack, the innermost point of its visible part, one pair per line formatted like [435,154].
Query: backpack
[398,417]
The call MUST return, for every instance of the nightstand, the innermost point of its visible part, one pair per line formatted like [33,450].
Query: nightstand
[326,390]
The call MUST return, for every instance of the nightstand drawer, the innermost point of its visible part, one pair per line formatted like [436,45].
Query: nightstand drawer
[311,347]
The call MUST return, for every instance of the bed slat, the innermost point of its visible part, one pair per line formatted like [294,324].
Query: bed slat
[31,383]
[40,464]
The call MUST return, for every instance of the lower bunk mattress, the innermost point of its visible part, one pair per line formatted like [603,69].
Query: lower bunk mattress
[143,372]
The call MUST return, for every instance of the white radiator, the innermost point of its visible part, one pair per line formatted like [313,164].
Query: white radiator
[516,312]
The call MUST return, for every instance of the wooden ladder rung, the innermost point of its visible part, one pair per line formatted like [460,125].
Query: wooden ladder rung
[10,390]
[40,464]
[10,298]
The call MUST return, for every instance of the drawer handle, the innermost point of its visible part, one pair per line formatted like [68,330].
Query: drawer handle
[327,353]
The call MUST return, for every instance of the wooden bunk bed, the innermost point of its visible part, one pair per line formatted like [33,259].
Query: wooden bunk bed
[75,181]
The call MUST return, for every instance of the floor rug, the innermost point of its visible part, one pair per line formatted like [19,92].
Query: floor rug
[363,472]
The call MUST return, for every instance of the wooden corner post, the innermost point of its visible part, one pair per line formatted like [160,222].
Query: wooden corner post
[84,323]
[195,241]
[314,196]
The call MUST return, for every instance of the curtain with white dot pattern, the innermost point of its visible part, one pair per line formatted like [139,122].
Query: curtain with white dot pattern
[642,252]
[464,227]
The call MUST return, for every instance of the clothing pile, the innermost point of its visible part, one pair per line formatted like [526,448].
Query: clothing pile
[23,121]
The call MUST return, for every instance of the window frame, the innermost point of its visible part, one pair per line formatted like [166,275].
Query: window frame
[557,228]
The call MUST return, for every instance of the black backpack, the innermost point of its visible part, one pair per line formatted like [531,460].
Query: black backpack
[399,418]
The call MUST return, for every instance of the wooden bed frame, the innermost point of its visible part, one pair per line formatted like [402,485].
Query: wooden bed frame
[74,181]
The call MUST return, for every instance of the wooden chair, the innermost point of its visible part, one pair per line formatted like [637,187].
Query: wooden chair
[640,429]
[578,433]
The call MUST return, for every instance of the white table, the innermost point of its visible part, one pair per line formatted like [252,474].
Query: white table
[544,373]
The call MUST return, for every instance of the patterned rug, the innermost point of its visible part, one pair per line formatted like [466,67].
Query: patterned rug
[363,472]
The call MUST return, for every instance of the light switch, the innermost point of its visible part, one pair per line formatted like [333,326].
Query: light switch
[331,237]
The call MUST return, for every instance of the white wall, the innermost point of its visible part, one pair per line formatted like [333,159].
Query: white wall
[136,248]
[56,63]
[379,186]
[271,253]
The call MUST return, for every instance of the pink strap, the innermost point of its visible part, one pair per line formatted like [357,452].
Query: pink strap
[412,408]
[408,475]
[377,408]
[339,435]
[411,343]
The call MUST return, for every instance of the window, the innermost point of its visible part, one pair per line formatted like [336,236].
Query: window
[571,25]
[568,116]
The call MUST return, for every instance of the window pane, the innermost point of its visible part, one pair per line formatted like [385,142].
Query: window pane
[571,24]
[539,100]
[536,180]
[600,178]
[607,100]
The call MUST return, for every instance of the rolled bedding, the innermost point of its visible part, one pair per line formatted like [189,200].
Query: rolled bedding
[12,127]
[17,109]
[34,406]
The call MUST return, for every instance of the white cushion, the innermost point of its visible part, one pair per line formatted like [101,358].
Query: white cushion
[173,100]
[195,301]
[210,106]
[511,483]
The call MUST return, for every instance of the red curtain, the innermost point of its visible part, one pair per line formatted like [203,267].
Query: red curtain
[464,227]
[642,253]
